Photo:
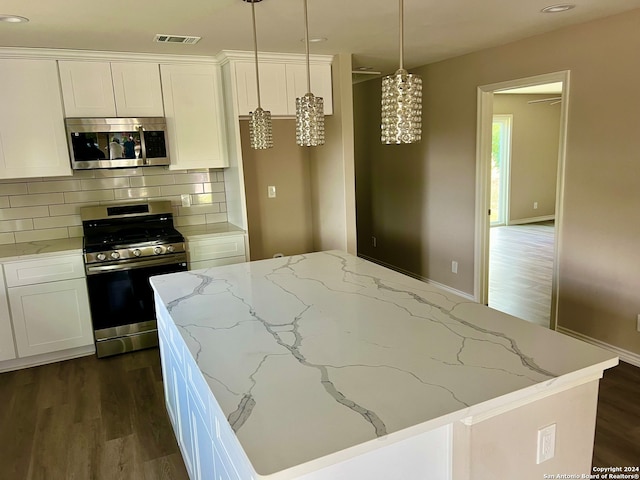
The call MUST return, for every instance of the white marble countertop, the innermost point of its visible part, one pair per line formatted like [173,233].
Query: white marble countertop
[26,250]
[23,251]
[193,232]
[313,354]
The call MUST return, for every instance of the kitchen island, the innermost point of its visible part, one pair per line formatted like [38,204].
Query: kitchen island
[327,366]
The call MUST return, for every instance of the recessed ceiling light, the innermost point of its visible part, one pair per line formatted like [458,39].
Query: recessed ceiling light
[13,19]
[562,7]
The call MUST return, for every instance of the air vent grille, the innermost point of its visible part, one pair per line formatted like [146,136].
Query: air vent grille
[163,38]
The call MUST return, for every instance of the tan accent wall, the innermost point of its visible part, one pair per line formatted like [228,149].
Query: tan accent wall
[315,204]
[534,154]
[332,170]
[421,198]
[281,224]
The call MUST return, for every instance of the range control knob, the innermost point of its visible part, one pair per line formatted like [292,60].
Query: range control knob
[171,249]
[157,250]
[101,256]
[136,252]
[115,255]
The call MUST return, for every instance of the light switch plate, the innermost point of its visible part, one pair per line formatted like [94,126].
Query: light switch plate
[271,191]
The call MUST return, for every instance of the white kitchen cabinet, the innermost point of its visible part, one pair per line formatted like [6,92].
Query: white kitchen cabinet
[111,89]
[320,85]
[194,111]
[48,316]
[281,82]
[215,251]
[7,349]
[273,87]
[32,136]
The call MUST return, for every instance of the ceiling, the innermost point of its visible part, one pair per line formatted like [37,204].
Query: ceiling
[366,28]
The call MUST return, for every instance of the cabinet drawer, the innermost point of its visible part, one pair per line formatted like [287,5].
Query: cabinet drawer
[42,270]
[216,247]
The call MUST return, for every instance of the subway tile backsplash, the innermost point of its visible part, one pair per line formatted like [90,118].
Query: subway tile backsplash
[49,207]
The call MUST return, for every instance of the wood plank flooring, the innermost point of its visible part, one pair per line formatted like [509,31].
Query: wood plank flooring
[89,419]
[521,269]
[617,441]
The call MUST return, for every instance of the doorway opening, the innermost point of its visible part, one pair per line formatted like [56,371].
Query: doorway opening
[500,160]
[516,202]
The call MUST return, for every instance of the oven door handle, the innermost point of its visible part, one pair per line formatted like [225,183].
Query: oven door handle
[153,262]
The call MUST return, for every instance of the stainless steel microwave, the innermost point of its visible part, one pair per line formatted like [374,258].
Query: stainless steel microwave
[117,142]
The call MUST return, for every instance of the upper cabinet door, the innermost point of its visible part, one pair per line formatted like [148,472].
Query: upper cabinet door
[273,87]
[320,85]
[87,89]
[137,89]
[32,135]
[195,116]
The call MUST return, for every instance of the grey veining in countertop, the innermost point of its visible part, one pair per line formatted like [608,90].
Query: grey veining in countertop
[312,354]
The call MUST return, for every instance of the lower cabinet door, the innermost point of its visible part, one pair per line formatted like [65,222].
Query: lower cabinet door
[50,317]
[7,349]
[185,437]
[203,453]
[170,392]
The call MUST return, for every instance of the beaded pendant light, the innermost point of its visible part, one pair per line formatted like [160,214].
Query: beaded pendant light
[260,126]
[309,109]
[401,102]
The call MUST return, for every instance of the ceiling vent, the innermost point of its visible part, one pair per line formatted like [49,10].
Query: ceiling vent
[162,38]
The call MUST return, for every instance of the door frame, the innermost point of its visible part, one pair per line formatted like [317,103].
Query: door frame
[483,181]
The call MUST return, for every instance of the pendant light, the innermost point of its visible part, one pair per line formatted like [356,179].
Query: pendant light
[260,126]
[309,109]
[401,102]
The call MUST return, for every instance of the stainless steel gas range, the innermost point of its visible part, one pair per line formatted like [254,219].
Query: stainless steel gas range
[124,245]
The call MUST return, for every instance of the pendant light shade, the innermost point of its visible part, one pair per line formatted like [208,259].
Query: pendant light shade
[260,126]
[401,102]
[309,108]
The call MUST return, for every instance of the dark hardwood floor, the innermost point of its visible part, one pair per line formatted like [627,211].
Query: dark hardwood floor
[89,419]
[521,270]
[617,442]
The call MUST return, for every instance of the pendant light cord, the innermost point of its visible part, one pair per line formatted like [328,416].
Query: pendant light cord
[306,42]
[255,49]
[401,35]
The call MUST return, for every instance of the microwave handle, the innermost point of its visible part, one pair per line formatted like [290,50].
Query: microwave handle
[143,146]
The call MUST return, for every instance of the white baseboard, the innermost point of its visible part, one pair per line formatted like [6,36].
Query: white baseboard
[444,287]
[36,360]
[522,221]
[625,355]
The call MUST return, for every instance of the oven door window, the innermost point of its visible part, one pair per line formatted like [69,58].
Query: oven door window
[124,297]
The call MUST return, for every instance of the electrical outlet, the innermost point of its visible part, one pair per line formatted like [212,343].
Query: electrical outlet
[535,205]
[185,198]
[374,241]
[454,267]
[546,443]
